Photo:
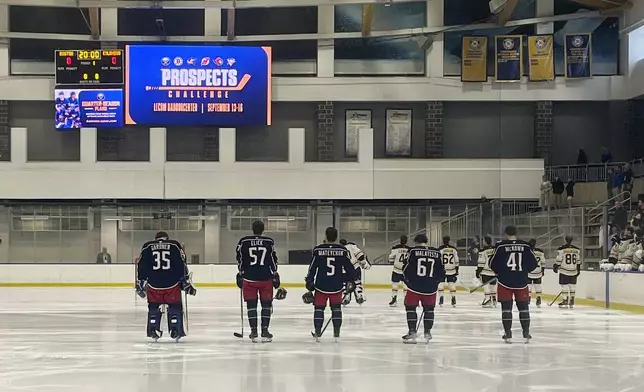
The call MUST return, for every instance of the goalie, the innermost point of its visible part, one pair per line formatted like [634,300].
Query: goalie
[359,262]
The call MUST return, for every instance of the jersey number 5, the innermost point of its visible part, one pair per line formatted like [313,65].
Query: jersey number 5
[161,260]
[252,252]
[330,267]
[421,269]
[515,261]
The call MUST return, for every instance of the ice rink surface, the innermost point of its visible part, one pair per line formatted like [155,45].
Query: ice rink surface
[94,340]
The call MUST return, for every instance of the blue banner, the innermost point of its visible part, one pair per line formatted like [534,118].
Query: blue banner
[578,55]
[198,85]
[78,108]
[508,58]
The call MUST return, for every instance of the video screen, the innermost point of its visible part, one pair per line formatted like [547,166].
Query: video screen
[84,108]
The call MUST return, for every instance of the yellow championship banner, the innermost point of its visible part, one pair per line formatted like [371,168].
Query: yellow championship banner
[542,59]
[474,59]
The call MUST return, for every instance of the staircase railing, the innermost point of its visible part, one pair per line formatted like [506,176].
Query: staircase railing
[598,211]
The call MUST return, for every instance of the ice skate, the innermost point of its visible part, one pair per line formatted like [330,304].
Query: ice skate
[571,303]
[538,302]
[336,336]
[316,335]
[253,335]
[427,336]
[564,303]
[174,334]
[360,299]
[527,336]
[507,337]
[440,301]
[410,338]
[267,337]
[487,303]
[393,301]
[453,302]
[494,301]
[154,334]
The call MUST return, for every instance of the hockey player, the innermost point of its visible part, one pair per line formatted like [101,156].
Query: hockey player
[423,272]
[485,273]
[568,265]
[536,276]
[161,275]
[397,257]
[624,251]
[330,270]
[512,260]
[257,276]
[360,262]
[449,255]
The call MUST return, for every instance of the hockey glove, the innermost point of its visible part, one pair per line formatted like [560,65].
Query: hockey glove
[351,287]
[310,286]
[555,268]
[281,294]
[367,264]
[276,281]
[308,298]
[239,280]
[140,288]
[189,288]
[612,260]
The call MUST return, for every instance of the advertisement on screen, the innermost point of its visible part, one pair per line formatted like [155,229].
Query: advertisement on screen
[81,108]
[198,85]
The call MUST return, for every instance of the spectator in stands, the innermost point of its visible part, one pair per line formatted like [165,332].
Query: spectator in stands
[609,183]
[637,220]
[615,236]
[582,158]
[103,257]
[546,187]
[616,182]
[570,191]
[473,251]
[620,216]
[627,179]
[607,156]
[558,188]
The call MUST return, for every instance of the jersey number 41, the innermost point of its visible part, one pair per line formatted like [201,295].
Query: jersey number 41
[515,262]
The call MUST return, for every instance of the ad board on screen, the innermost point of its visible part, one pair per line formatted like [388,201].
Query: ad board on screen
[84,108]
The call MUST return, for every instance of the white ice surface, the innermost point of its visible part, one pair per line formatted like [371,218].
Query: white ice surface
[94,340]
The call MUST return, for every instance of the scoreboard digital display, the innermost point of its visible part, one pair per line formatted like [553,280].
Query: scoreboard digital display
[93,66]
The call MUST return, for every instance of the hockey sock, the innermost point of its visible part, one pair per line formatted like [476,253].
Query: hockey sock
[506,315]
[154,317]
[441,289]
[266,313]
[336,318]
[538,289]
[486,291]
[318,318]
[524,315]
[428,320]
[531,288]
[571,290]
[412,317]
[251,305]
[452,288]
[564,291]
[493,292]
[394,289]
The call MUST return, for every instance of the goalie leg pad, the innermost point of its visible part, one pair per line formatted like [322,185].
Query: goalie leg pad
[154,318]
[175,319]
[267,306]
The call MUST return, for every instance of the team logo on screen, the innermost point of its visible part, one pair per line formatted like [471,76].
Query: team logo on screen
[577,41]
[231,61]
[165,61]
[205,61]
[219,61]
[100,97]
[191,61]
[178,61]
[508,43]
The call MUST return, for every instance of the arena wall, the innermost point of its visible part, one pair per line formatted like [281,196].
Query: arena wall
[623,289]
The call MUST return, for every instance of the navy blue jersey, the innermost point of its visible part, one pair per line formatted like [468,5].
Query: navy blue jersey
[256,258]
[424,269]
[330,268]
[512,261]
[162,263]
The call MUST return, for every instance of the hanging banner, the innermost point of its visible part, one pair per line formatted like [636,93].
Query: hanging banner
[398,138]
[542,59]
[508,58]
[578,52]
[474,59]
[355,120]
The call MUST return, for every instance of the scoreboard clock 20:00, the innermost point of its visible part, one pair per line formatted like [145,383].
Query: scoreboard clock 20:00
[93,66]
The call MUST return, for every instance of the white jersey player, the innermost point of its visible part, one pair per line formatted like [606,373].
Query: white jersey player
[449,255]
[398,257]
[568,264]
[535,277]
[624,252]
[359,262]
[485,273]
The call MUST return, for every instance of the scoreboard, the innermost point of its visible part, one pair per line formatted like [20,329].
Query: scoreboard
[93,66]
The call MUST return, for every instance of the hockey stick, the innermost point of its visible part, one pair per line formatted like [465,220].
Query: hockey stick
[420,320]
[328,321]
[186,320]
[482,285]
[241,314]
[556,298]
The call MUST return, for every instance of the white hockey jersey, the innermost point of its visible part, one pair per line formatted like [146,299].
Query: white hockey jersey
[449,255]
[537,273]
[624,251]
[568,260]
[485,254]
[398,256]
[358,258]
